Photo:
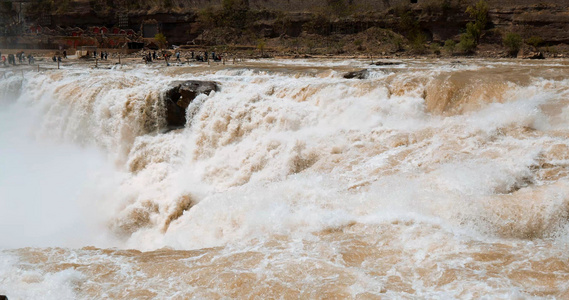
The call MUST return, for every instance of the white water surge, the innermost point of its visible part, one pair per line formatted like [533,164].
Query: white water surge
[428,180]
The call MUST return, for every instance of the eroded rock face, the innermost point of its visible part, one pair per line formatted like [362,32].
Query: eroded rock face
[179,96]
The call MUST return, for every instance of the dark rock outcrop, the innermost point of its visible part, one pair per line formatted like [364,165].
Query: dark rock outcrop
[179,96]
[361,74]
[534,55]
[386,63]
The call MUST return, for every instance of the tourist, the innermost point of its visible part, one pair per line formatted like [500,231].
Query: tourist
[178,56]
[65,54]
[166,57]
[4,60]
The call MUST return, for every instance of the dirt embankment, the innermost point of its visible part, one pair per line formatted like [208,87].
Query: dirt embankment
[318,27]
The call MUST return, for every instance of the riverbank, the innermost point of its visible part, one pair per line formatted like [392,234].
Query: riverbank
[44,58]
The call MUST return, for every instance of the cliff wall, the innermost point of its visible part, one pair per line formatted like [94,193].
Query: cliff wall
[185,21]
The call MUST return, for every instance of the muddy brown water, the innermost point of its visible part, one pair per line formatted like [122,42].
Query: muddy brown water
[428,179]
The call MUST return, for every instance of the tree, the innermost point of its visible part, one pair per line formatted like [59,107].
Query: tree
[474,31]
[470,39]
[161,40]
[513,43]
[479,13]
[261,46]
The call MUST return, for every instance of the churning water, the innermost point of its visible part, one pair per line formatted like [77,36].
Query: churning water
[428,179]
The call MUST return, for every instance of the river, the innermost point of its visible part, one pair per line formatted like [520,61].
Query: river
[430,179]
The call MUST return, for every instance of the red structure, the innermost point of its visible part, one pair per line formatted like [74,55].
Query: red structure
[36,29]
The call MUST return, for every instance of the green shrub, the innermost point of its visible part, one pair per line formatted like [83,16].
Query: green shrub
[551,49]
[474,31]
[450,45]
[535,41]
[408,24]
[436,48]
[359,44]
[397,42]
[467,43]
[479,13]
[513,43]
[418,43]
[261,44]
[161,40]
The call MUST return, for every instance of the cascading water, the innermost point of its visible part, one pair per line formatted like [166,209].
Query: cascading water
[427,179]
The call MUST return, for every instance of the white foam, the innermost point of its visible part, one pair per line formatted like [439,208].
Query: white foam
[287,152]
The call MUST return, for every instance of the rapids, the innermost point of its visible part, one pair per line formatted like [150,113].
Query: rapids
[428,179]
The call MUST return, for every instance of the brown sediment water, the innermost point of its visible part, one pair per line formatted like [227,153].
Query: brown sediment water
[427,179]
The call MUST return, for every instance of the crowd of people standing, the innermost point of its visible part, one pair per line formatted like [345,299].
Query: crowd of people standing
[204,56]
[20,56]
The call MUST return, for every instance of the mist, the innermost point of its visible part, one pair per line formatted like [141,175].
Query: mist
[51,193]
